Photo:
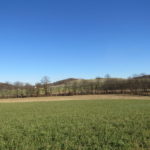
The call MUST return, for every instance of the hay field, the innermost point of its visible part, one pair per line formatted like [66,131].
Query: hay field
[78,97]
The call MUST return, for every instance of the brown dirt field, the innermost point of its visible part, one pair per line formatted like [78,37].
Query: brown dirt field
[79,97]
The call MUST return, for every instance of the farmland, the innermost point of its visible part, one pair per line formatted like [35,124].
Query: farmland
[139,85]
[76,125]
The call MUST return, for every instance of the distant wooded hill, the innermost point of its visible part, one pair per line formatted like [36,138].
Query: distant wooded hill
[138,85]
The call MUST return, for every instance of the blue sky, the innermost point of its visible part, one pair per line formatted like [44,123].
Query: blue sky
[73,38]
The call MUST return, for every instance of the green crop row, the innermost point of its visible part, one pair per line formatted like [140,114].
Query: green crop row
[76,125]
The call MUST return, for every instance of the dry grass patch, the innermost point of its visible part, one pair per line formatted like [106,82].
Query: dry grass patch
[78,97]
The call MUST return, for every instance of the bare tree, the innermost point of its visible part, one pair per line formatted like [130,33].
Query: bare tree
[107,76]
[46,85]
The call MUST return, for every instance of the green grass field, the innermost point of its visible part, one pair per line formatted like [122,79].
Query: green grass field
[76,125]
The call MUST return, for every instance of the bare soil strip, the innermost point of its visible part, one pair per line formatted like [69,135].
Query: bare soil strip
[78,97]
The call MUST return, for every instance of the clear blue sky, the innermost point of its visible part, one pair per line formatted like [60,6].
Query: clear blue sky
[73,38]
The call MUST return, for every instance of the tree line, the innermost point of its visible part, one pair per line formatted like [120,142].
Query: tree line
[139,85]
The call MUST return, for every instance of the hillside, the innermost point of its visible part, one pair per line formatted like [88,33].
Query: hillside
[142,77]
[69,81]
[60,82]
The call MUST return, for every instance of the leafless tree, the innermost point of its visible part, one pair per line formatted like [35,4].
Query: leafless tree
[45,81]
